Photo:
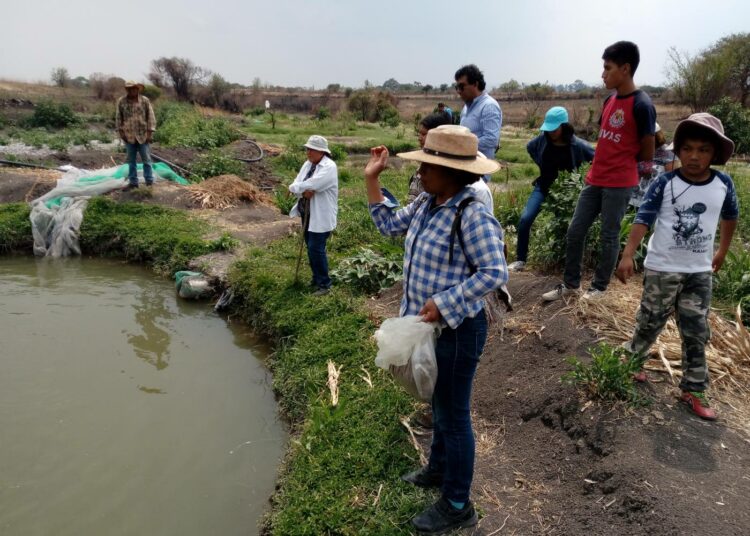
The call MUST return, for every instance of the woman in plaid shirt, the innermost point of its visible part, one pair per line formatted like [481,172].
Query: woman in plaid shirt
[448,292]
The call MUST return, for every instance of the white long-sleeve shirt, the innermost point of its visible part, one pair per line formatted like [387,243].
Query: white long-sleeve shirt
[324,204]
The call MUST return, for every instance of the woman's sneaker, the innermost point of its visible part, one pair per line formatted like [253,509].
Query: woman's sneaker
[516,266]
[698,404]
[560,291]
[441,517]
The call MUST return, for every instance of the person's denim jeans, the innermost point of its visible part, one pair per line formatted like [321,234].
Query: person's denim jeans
[316,254]
[530,212]
[452,453]
[134,149]
[611,203]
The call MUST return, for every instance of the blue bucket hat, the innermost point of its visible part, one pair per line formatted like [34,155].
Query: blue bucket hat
[555,116]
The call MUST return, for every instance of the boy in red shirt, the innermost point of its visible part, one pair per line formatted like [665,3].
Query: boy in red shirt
[626,135]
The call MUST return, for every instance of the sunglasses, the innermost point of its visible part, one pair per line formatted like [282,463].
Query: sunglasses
[460,87]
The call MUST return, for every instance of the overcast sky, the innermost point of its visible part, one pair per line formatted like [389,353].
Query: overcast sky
[314,43]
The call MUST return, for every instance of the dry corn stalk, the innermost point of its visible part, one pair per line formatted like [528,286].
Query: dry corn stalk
[225,191]
[333,382]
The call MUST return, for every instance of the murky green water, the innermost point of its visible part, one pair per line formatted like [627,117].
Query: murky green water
[126,411]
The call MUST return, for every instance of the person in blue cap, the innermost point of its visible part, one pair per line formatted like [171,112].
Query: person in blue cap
[556,149]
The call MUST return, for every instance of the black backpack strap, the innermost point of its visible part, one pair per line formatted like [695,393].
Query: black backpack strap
[456,229]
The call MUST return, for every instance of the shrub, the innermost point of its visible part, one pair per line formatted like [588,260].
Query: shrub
[182,125]
[151,92]
[732,282]
[54,115]
[736,121]
[215,163]
[547,247]
[609,376]
[338,152]
[367,271]
[258,110]
[322,113]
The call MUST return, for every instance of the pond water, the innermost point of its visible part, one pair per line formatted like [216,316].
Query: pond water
[125,410]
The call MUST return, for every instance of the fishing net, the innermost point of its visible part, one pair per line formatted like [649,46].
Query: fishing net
[57,215]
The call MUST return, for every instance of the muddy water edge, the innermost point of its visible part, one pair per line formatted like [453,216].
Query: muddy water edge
[124,410]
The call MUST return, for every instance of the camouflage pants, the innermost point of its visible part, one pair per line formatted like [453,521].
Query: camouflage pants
[688,296]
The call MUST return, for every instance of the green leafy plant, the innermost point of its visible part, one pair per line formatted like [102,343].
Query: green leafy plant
[732,282]
[609,376]
[284,200]
[368,271]
[338,152]
[547,247]
[225,242]
[215,163]
[53,115]
[182,125]
[736,121]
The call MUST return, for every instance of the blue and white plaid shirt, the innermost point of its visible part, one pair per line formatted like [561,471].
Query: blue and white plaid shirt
[455,288]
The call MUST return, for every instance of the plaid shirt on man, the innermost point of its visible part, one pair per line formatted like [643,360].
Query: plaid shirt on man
[456,289]
[135,119]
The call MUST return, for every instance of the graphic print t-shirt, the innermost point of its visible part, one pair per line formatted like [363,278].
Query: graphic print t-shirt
[625,120]
[683,239]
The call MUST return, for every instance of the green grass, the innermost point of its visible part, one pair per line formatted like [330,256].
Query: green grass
[58,140]
[15,227]
[164,238]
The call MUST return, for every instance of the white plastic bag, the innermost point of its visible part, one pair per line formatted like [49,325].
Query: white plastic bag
[406,347]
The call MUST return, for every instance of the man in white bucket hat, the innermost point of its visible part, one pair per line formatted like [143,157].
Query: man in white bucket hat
[317,187]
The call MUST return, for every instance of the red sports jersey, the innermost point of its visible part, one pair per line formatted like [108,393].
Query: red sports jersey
[625,120]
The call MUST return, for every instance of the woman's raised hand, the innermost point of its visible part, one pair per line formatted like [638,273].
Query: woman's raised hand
[378,161]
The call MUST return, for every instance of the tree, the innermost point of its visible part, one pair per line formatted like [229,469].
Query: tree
[426,89]
[721,70]
[391,85]
[443,88]
[362,104]
[218,87]
[60,77]
[179,73]
[333,88]
[510,87]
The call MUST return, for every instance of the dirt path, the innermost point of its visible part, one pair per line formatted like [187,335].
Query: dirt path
[550,463]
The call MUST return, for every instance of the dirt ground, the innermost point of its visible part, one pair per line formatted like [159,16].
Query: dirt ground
[549,462]
[252,223]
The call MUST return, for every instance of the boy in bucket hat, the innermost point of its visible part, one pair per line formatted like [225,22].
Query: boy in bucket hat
[317,187]
[685,207]
[136,123]
[555,149]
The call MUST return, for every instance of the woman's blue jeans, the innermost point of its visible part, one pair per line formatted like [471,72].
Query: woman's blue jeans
[316,254]
[452,453]
[530,212]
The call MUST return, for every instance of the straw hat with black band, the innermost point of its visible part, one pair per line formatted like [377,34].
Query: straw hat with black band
[454,147]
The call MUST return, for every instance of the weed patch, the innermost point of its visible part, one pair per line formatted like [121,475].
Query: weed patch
[608,377]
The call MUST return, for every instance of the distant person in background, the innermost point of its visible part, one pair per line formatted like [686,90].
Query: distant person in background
[135,123]
[556,149]
[481,113]
[425,125]
[664,160]
[443,109]
[317,187]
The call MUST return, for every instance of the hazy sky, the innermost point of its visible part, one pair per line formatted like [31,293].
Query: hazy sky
[314,43]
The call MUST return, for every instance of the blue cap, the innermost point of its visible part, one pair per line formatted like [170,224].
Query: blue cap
[556,116]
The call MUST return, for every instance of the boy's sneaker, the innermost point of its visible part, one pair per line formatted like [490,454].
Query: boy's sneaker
[698,404]
[593,294]
[322,291]
[441,517]
[516,266]
[560,291]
